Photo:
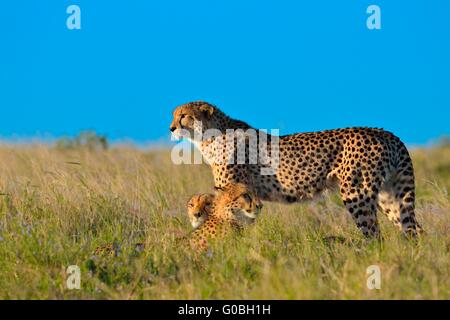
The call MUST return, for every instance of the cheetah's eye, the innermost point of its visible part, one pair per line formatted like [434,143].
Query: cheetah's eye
[184,119]
[247,197]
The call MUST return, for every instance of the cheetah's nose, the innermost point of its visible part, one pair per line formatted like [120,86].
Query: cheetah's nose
[172,128]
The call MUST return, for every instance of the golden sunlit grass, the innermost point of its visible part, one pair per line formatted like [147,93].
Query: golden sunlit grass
[57,205]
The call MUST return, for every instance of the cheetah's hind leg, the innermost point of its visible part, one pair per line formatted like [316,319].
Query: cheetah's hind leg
[396,201]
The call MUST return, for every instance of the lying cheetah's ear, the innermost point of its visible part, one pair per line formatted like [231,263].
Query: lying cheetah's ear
[207,110]
[219,189]
[207,197]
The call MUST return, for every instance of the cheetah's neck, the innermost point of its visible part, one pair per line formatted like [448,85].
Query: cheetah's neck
[222,123]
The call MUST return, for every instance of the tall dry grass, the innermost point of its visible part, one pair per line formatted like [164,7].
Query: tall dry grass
[57,205]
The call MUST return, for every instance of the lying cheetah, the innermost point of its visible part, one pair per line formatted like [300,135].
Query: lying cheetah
[113,249]
[371,167]
[231,207]
[199,207]
[109,249]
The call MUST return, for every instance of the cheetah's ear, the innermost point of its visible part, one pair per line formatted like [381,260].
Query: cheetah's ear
[219,189]
[207,110]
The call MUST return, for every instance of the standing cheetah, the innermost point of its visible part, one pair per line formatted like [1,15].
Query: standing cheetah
[371,167]
[233,204]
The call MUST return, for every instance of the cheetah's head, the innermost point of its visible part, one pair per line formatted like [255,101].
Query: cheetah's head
[240,200]
[198,208]
[192,119]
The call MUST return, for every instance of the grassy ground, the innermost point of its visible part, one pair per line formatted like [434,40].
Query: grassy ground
[56,206]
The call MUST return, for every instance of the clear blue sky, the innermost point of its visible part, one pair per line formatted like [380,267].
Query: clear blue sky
[293,65]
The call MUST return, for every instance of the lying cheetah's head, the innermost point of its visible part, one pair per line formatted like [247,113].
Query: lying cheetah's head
[192,119]
[198,208]
[239,199]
